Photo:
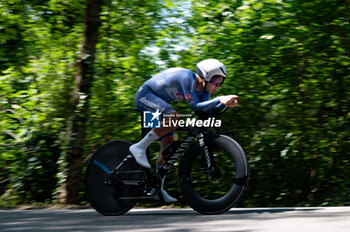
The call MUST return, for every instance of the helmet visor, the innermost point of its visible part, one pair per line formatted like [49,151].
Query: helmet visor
[217,80]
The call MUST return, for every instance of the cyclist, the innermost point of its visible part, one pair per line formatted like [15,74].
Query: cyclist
[178,84]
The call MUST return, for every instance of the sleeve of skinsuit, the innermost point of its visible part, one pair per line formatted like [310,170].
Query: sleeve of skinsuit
[209,105]
[188,85]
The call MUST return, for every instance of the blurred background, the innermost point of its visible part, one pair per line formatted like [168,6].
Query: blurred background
[287,60]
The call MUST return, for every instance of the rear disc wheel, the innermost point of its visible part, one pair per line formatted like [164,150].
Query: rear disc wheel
[117,198]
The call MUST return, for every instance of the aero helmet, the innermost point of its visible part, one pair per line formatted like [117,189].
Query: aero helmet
[209,68]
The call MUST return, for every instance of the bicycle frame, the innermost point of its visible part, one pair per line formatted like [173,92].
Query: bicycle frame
[176,149]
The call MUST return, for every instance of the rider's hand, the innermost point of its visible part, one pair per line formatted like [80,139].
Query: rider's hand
[229,100]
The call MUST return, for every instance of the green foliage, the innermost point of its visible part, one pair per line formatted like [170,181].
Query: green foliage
[288,61]
[37,83]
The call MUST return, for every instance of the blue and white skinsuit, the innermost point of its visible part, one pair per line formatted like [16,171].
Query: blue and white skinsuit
[173,84]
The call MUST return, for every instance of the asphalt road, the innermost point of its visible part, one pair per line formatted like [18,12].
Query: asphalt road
[332,219]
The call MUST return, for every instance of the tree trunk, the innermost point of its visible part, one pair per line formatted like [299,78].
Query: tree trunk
[83,82]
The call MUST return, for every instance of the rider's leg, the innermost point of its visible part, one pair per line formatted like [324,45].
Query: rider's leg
[138,150]
[165,142]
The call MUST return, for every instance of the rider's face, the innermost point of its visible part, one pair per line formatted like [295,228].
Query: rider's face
[211,88]
[214,84]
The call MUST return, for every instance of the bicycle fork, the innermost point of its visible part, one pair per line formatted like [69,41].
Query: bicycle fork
[208,159]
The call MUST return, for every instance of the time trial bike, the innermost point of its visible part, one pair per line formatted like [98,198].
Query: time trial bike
[212,174]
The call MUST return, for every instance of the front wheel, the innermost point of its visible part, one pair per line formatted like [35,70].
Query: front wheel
[214,194]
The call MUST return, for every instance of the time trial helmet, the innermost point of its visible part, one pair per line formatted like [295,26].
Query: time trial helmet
[209,68]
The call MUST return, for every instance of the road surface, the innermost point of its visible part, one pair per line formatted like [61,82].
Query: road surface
[331,219]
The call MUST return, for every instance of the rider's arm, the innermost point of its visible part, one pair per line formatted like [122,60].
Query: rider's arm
[200,103]
[188,85]
[206,105]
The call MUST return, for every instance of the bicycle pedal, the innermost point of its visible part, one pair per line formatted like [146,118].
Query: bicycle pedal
[155,198]
[151,193]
